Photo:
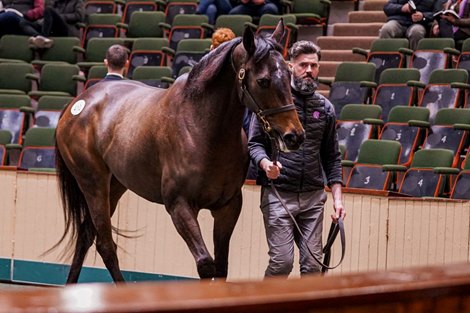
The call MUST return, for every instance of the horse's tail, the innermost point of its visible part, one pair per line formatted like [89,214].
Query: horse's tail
[76,213]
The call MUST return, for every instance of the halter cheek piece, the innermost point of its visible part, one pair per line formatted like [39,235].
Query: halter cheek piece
[253,106]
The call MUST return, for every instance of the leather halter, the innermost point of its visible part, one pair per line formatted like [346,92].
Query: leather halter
[251,103]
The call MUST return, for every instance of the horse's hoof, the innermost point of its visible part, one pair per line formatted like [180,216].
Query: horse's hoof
[206,268]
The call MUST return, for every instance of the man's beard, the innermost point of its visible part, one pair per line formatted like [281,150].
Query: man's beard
[306,86]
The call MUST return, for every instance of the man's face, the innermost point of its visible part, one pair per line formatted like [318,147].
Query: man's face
[305,69]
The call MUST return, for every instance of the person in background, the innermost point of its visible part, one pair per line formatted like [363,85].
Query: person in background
[408,19]
[17,13]
[298,175]
[449,26]
[213,8]
[256,8]
[117,60]
[61,18]
[220,36]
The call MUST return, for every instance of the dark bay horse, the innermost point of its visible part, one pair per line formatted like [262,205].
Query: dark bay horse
[182,147]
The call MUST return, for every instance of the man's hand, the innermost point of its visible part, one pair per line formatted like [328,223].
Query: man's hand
[451,19]
[339,211]
[272,170]
[406,8]
[258,2]
[435,30]
[417,17]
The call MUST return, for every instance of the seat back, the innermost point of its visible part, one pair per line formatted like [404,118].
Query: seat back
[13,77]
[351,129]
[420,179]
[16,47]
[101,26]
[367,172]
[61,50]
[189,52]
[59,77]
[186,26]
[145,24]
[134,6]
[235,22]
[152,75]
[49,110]
[461,188]
[439,94]
[100,6]
[38,149]
[147,52]
[97,47]
[384,54]
[346,88]
[393,89]
[5,138]
[430,55]
[176,7]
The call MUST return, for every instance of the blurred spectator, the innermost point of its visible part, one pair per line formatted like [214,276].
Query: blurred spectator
[449,26]
[213,8]
[256,7]
[220,36]
[408,18]
[18,13]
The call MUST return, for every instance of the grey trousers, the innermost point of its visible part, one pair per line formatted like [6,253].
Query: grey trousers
[307,208]
[393,29]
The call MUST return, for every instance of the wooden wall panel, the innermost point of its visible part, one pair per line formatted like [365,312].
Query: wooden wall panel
[381,232]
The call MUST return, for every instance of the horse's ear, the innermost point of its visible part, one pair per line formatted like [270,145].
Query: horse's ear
[249,41]
[279,31]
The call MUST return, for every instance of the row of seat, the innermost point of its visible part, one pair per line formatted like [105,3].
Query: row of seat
[430,173]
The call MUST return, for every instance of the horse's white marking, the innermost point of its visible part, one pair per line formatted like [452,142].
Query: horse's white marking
[278,72]
[77,107]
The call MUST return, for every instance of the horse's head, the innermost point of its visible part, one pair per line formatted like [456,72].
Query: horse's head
[264,86]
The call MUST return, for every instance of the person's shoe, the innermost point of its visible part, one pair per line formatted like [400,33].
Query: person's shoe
[41,42]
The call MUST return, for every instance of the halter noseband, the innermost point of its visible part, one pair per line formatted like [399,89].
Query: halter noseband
[252,105]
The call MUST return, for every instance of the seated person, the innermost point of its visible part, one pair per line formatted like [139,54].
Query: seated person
[23,12]
[256,8]
[408,19]
[60,20]
[449,26]
[213,8]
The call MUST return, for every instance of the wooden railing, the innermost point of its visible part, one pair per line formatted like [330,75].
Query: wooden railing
[428,289]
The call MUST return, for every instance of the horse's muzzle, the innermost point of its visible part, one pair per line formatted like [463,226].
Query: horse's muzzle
[293,139]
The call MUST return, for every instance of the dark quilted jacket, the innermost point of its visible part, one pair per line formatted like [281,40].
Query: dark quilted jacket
[393,11]
[302,169]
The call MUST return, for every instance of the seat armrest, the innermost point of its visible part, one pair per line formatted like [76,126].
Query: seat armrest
[452,51]
[347,163]
[462,126]
[168,51]
[78,49]
[27,110]
[326,81]
[446,170]
[326,2]
[79,78]
[208,26]
[360,51]
[406,51]
[373,121]
[368,84]
[32,76]
[251,25]
[13,146]
[415,83]
[164,26]
[122,25]
[292,27]
[458,85]
[394,168]
[418,123]
[167,79]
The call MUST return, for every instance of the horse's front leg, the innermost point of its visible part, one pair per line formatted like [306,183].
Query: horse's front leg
[185,220]
[225,219]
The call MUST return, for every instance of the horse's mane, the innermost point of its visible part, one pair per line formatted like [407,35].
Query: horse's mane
[211,65]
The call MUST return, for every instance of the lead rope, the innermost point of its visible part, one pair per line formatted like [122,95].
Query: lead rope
[332,234]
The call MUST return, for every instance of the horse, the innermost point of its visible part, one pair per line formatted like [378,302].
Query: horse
[182,147]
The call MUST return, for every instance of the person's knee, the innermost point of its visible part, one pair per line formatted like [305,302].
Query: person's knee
[211,13]
[417,32]
[386,31]
[280,266]
[269,8]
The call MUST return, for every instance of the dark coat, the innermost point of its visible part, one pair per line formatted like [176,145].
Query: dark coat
[302,170]
[393,11]
[111,77]
[27,7]
[464,22]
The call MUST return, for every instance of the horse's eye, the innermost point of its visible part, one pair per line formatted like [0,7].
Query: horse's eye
[263,82]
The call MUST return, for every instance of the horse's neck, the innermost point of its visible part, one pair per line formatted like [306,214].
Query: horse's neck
[221,107]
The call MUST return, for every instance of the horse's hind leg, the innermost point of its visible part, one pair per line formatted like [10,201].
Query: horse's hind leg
[87,232]
[225,219]
[185,220]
